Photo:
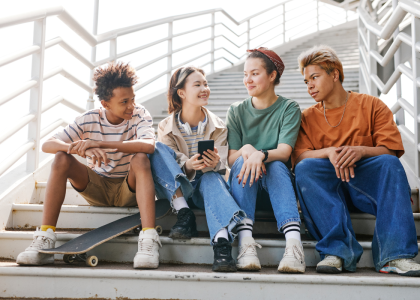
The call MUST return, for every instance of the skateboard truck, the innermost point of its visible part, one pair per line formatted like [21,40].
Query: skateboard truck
[91,261]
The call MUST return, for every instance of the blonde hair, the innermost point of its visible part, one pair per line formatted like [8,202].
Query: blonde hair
[322,56]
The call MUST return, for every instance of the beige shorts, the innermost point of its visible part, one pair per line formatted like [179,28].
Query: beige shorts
[103,191]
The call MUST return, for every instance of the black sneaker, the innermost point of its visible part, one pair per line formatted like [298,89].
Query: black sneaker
[223,261]
[185,227]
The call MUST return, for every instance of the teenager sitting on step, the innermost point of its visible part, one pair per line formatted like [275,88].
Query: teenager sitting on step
[346,159]
[188,124]
[262,133]
[115,139]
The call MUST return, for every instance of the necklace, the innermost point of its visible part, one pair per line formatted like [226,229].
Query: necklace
[345,105]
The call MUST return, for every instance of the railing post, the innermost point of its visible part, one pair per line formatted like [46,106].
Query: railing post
[213,19]
[113,49]
[399,116]
[284,23]
[90,102]
[170,35]
[415,35]
[248,34]
[373,45]
[317,15]
[35,104]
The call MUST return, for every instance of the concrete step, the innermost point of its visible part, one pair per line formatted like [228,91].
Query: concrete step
[28,217]
[193,251]
[121,281]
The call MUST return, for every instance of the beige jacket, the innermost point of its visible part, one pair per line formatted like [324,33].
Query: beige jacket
[169,134]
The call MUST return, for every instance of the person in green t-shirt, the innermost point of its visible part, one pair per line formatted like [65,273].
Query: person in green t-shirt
[262,131]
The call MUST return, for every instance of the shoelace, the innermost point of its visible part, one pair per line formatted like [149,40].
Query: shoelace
[251,248]
[39,243]
[146,248]
[293,252]
[411,262]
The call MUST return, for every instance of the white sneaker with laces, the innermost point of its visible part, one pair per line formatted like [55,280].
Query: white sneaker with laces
[293,258]
[331,264]
[42,240]
[403,266]
[147,256]
[247,258]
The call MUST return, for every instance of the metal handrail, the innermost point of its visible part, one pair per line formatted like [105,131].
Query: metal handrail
[35,84]
[370,56]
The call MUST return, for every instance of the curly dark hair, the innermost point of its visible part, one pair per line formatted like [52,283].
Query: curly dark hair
[176,83]
[112,76]
[268,64]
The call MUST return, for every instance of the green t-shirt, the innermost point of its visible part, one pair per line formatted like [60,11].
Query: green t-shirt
[263,128]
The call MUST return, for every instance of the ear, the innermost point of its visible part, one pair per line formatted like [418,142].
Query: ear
[104,104]
[336,75]
[181,93]
[273,76]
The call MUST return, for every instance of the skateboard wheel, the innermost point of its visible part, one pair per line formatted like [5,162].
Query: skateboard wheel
[159,229]
[68,258]
[92,261]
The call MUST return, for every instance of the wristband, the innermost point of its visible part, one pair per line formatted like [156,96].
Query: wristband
[265,152]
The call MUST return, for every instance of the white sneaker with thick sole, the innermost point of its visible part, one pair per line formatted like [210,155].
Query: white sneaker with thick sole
[247,258]
[293,258]
[403,266]
[42,240]
[147,256]
[331,264]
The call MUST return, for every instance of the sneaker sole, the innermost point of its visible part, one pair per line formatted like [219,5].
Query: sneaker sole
[328,270]
[180,236]
[394,270]
[250,267]
[146,266]
[24,260]
[286,269]
[224,268]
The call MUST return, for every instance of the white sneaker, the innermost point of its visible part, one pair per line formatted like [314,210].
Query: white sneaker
[331,264]
[293,258]
[147,256]
[42,240]
[404,267]
[247,258]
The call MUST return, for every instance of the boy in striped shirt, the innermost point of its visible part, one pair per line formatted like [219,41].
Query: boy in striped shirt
[115,139]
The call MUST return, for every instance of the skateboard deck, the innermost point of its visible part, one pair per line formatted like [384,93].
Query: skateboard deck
[98,236]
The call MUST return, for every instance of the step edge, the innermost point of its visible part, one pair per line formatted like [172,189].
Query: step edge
[204,276]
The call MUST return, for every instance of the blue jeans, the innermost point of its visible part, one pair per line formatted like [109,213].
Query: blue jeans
[279,187]
[380,188]
[208,190]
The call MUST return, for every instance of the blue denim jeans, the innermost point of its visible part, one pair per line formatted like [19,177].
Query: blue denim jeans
[380,188]
[207,191]
[279,187]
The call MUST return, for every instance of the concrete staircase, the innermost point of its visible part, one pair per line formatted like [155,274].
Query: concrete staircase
[227,87]
[185,272]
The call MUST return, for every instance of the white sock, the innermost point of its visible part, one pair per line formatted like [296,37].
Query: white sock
[179,203]
[222,233]
[291,230]
[244,229]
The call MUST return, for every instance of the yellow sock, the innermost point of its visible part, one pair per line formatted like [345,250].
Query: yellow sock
[147,228]
[45,227]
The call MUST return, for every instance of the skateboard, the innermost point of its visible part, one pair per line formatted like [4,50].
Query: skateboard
[76,249]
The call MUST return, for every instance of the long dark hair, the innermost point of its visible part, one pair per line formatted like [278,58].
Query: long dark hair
[177,82]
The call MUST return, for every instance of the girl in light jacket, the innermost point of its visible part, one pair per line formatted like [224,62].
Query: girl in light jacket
[188,124]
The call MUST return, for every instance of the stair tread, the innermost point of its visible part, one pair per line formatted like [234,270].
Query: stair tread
[201,272]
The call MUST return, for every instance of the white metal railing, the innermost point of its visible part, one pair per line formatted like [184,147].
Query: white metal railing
[288,15]
[395,13]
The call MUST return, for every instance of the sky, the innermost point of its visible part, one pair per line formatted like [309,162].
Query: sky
[122,13]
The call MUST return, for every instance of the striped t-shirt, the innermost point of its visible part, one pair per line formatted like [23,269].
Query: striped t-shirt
[191,140]
[93,125]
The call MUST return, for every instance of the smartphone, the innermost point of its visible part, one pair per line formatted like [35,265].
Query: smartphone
[204,146]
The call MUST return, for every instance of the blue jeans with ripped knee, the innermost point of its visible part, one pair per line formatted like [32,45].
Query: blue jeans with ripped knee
[208,190]
[279,187]
[380,188]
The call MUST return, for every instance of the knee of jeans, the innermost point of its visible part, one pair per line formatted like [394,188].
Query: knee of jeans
[304,167]
[277,165]
[161,147]
[237,165]
[390,161]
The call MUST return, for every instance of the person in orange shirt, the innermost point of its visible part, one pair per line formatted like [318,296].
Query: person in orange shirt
[346,158]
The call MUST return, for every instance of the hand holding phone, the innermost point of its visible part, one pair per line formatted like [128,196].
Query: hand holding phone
[204,146]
